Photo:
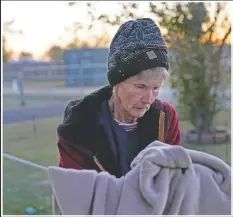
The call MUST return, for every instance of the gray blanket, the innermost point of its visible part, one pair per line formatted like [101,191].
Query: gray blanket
[164,180]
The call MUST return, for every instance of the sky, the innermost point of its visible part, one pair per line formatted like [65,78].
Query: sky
[43,22]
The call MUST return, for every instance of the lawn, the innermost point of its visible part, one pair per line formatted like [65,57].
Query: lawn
[24,185]
[13,101]
[45,84]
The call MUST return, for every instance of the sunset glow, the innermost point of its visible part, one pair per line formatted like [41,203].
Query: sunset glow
[43,23]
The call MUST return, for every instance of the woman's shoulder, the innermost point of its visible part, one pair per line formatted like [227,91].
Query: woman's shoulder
[172,129]
[165,107]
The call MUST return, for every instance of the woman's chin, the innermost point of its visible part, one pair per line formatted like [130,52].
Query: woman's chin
[138,113]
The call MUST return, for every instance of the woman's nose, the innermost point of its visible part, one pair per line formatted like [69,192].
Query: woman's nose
[149,97]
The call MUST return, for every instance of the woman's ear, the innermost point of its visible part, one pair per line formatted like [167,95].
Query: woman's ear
[115,91]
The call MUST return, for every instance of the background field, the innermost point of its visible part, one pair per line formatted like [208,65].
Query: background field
[36,141]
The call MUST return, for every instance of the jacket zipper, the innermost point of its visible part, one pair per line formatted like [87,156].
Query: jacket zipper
[97,162]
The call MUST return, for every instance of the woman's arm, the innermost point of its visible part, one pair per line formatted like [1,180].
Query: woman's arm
[70,157]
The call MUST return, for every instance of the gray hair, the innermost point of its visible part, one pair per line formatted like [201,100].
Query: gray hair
[159,73]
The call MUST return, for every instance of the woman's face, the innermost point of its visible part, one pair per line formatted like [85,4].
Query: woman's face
[136,94]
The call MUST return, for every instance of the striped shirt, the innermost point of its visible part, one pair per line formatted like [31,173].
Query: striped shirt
[127,127]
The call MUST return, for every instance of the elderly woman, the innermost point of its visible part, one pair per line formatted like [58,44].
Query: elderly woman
[107,129]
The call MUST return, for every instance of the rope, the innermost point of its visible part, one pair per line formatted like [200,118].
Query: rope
[29,163]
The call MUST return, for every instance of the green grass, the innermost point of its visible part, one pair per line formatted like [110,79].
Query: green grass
[223,118]
[12,101]
[45,84]
[222,151]
[21,140]
[24,185]
[36,84]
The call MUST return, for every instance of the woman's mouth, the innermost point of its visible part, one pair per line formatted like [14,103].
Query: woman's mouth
[141,109]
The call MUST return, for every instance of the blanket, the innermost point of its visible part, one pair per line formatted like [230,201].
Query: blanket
[164,180]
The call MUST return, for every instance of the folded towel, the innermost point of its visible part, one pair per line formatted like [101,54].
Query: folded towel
[164,180]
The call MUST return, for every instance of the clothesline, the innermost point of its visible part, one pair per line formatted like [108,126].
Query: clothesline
[26,162]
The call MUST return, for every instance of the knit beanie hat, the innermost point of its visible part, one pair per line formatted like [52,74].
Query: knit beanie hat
[137,45]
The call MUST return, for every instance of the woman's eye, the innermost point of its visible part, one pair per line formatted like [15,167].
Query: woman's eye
[140,86]
[156,88]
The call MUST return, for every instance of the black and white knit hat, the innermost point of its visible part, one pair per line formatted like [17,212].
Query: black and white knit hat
[137,45]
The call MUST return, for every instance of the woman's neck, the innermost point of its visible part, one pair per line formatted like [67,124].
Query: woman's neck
[119,113]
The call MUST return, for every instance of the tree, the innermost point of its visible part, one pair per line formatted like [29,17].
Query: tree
[199,68]
[129,11]
[77,29]
[25,54]
[8,30]
[7,53]
[198,65]
[55,53]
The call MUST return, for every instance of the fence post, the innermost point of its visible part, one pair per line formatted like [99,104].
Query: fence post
[82,83]
[20,81]
[50,78]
